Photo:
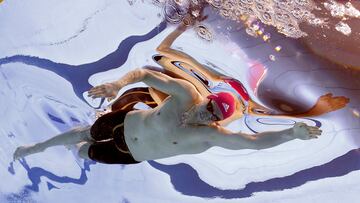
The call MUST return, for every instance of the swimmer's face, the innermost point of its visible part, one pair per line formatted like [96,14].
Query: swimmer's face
[214,110]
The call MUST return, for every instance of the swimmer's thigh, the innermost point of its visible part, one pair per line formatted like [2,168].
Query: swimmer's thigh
[103,127]
[107,153]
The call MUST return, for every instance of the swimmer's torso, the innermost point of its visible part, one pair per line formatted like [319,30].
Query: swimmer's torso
[157,133]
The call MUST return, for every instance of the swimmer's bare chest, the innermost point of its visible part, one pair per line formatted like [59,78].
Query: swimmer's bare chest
[157,133]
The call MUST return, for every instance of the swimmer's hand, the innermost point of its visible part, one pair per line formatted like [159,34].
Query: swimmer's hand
[107,90]
[305,132]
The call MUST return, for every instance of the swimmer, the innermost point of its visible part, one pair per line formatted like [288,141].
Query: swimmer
[186,122]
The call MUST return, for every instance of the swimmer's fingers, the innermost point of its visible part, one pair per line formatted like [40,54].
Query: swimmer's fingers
[111,98]
[95,92]
[313,128]
[305,132]
[314,132]
[105,90]
[98,92]
[97,95]
[98,87]
[313,136]
[108,95]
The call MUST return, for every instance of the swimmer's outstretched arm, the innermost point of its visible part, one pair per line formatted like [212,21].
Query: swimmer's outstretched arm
[221,137]
[155,79]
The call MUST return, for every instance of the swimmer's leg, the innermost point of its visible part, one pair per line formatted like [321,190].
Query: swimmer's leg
[83,148]
[71,137]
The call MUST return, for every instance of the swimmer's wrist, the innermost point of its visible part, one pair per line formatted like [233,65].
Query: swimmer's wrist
[131,77]
[118,85]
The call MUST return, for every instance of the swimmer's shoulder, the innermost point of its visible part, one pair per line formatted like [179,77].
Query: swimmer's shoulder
[132,117]
[137,114]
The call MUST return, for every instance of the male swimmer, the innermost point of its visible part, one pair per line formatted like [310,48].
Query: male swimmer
[184,123]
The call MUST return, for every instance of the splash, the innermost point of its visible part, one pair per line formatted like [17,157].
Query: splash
[344,12]
[285,15]
[340,10]
[343,28]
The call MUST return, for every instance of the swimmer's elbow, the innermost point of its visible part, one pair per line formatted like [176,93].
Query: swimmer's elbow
[247,141]
[162,48]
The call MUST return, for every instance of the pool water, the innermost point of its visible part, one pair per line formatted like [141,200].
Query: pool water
[52,52]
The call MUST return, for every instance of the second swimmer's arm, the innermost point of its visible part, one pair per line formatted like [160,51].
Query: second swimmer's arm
[169,40]
[165,49]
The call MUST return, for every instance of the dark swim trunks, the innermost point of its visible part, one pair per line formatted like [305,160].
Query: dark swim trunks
[110,146]
[108,131]
[131,97]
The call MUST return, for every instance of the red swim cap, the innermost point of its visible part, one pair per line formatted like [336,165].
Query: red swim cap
[225,101]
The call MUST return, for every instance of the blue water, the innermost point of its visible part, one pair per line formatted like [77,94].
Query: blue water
[183,177]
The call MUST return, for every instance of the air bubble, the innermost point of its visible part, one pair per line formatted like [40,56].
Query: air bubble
[266,37]
[251,32]
[204,33]
[278,13]
[131,2]
[272,57]
[343,28]
[356,113]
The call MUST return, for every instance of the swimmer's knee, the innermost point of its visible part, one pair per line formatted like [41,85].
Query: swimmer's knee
[80,129]
[86,135]
[84,152]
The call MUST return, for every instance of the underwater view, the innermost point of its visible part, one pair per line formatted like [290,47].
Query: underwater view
[138,101]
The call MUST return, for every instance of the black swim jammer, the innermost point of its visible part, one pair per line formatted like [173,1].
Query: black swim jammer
[108,130]
[110,146]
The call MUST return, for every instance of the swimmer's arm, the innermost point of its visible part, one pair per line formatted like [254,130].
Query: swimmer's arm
[222,137]
[169,40]
[236,141]
[165,49]
[157,80]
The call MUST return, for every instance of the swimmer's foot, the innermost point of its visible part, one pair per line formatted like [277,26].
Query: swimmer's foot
[23,151]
